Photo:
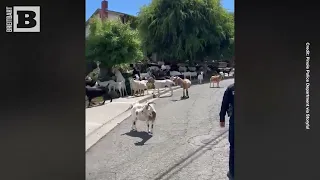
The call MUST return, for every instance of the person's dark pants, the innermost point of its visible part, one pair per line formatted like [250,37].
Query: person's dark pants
[231,154]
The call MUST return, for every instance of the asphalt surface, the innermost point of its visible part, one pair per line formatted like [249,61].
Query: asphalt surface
[187,144]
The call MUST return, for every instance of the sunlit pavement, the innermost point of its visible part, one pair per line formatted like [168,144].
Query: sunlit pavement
[187,144]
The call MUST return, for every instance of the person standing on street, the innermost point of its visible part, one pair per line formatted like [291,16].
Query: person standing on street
[227,106]
[135,72]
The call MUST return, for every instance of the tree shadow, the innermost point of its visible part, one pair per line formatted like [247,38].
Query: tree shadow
[141,134]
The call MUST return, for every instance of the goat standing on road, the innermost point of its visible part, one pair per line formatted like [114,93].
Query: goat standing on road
[215,79]
[161,84]
[200,77]
[138,86]
[144,112]
[185,84]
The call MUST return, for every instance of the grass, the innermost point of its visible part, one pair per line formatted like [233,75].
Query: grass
[98,99]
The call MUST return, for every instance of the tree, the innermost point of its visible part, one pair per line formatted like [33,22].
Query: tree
[132,20]
[185,29]
[112,43]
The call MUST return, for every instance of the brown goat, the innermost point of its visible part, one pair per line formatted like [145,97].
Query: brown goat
[215,79]
[185,84]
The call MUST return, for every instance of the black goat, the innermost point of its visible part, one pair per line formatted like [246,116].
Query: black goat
[94,92]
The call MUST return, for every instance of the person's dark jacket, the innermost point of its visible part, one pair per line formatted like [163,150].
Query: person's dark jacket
[228,105]
[135,71]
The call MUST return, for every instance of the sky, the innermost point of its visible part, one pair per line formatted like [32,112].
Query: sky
[132,6]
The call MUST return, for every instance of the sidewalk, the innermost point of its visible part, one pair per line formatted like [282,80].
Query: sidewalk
[102,119]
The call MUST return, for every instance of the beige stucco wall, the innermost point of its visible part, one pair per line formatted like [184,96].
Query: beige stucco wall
[111,16]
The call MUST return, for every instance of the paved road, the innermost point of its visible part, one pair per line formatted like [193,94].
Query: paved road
[187,144]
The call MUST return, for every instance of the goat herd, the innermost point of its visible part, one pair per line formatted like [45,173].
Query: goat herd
[142,111]
[98,88]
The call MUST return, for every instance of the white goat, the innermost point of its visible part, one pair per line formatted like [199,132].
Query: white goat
[143,112]
[222,74]
[139,86]
[192,69]
[163,67]
[200,77]
[121,86]
[142,86]
[174,73]
[162,84]
[112,84]
[117,73]
[182,69]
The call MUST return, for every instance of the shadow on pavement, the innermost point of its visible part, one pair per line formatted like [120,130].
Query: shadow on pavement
[141,134]
[165,96]
[181,99]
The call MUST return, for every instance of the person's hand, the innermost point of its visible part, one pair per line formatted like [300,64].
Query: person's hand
[222,124]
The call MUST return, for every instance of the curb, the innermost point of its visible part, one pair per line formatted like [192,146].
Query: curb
[103,130]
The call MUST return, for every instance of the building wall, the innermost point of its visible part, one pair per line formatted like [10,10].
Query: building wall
[111,16]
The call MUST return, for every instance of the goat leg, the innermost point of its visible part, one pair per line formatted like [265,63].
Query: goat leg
[134,128]
[120,92]
[187,93]
[183,93]
[151,131]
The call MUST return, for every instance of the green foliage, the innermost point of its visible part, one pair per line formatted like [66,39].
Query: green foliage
[123,67]
[132,20]
[186,29]
[94,74]
[112,43]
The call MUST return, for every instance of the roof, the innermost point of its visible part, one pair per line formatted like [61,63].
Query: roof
[98,10]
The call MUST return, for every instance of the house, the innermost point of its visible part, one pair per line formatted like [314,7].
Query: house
[103,12]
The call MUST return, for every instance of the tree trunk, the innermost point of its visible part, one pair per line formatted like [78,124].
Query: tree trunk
[104,73]
[154,57]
